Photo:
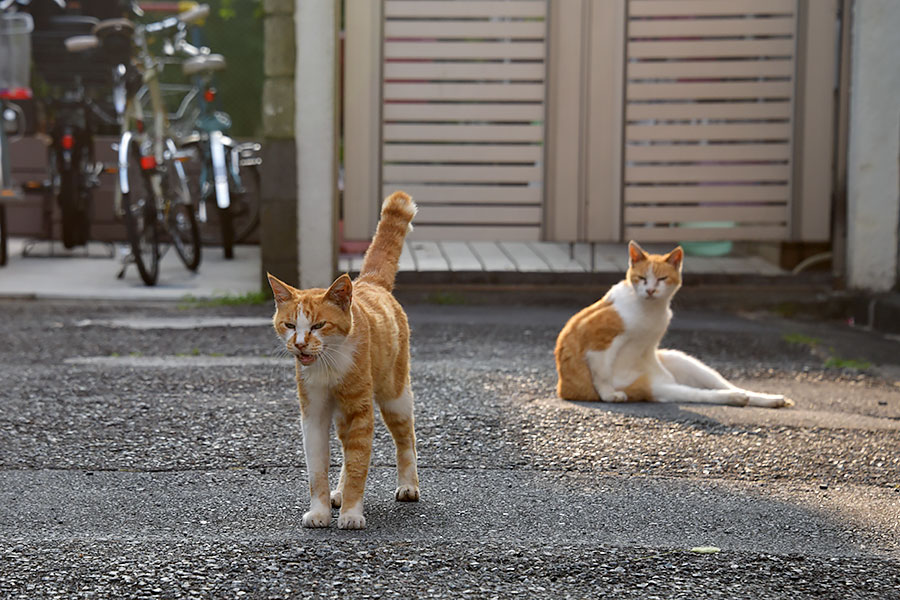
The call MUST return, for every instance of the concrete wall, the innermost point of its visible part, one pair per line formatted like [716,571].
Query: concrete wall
[873,176]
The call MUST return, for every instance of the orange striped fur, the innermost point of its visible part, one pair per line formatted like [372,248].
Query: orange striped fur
[351,345]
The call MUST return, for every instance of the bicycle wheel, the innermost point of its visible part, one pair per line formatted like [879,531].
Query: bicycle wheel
[226,224]
[180,221]
[245,198]
[243,212]
[74,200]
[139,207]
[4,237]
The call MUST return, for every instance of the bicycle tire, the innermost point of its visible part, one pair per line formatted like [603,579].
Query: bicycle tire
[244,209]
[73,200]
[4,236]
[181,224]
[226,224]
[180,219]
[139,207]
[246,202]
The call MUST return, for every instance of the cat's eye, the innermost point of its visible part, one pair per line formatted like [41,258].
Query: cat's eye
[318,325]
[663,278]
[644,279]
[290,325]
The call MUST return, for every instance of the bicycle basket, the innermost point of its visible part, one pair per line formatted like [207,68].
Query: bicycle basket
[15,55]
[56,65]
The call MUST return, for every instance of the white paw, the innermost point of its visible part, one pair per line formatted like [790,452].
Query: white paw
[614,396]
[351,521]
[407,493]
[316,519]
[771,401]
[336,497]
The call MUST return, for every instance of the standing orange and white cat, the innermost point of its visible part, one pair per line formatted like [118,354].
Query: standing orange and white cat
[351,345]
[609,351]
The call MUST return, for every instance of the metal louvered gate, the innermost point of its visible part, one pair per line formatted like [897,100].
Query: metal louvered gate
[592,120]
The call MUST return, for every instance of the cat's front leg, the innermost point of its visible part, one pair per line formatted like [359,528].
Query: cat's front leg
[316,423]
[601,363]
[355,422]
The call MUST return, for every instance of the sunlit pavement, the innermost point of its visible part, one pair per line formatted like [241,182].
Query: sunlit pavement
[155,450]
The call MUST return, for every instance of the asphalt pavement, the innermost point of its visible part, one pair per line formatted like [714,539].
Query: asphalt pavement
[154,450]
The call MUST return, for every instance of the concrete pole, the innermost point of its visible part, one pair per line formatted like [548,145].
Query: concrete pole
[278,214]
[316,91]
[873,176]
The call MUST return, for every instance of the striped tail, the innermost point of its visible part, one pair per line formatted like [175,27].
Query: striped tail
[380,262]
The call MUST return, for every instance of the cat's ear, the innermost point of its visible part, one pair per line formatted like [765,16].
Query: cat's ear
[282,291]
[675,257]
[636,254]
[341,292]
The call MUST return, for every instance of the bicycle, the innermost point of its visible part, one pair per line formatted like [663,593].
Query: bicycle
[229,176]
[15,84]
[73,171]
[152,194]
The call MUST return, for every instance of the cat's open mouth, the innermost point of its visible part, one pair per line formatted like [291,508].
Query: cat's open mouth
[306,359]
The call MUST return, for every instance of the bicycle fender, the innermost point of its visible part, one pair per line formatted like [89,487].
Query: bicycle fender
[220,171]
[124,147]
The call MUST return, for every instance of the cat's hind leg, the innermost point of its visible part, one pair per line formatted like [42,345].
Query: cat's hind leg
[398,416]
[676,392]
[690,371]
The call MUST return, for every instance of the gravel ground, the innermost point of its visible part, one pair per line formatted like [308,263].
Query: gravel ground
[167,462]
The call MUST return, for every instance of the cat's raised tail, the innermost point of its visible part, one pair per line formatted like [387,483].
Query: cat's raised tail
[380,262]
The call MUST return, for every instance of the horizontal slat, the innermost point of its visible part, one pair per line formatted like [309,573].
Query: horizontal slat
[464,91]
[463,133]
[469,194]
[465,29]
[708,110]
[684,234]
[461,153]
[707,152]
[709,90]
[418,111]
[460,50]
[682,214]
[461,233]
[468,173]
[737,131]
[430,214]
[710,69]
[461,71]
[676,174]
[711,27]
[463,8]
[706,193]
[693,8]
[710,49]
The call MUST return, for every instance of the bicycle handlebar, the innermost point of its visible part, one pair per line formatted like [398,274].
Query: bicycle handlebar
[189,16]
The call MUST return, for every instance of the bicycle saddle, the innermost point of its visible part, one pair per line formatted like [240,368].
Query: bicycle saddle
[207,63]
[115,37]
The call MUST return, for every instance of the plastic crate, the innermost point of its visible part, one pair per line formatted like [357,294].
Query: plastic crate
[15,55]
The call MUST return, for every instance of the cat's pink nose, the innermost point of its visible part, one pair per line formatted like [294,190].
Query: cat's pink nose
[299,346]
[651,292]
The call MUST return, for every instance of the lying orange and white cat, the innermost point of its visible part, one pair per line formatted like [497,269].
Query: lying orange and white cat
[351,345]
[609,351]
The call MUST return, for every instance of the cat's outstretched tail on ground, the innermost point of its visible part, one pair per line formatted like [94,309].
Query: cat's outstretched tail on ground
[380,262]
